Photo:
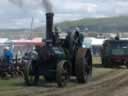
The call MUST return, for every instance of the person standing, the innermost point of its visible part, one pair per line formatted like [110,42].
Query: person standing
[8,55]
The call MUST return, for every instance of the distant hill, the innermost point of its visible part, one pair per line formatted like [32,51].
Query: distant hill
[37,29]
[18,35]
[110,24]
[14,30]
[21,33]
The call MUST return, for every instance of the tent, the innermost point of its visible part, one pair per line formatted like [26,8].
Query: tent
[91,41]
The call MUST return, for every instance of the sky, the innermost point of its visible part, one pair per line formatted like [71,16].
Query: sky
[14,15]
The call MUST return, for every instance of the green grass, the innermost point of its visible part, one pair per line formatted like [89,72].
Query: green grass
[16,87]
[14,83]
[10,84]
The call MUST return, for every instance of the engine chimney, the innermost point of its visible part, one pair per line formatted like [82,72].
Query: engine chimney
[49,26]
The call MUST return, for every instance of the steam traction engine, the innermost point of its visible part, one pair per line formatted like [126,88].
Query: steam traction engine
[59,59]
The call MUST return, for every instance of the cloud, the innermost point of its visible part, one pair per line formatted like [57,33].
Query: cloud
[14,16]
[80,7]
[63,17]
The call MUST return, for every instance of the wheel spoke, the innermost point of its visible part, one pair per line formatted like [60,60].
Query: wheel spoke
[62,73]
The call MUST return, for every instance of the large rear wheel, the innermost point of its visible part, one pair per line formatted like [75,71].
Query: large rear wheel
[83,65]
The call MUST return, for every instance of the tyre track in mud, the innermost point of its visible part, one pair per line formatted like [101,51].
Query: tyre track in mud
[44,90]
[54,91]
[110,87]
[107,88]
[91,89]
[105,74]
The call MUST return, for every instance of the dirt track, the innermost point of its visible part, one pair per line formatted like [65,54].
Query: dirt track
[101,87]
[105,82]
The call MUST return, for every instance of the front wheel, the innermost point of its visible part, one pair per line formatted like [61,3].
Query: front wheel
[62,73]
[29,76]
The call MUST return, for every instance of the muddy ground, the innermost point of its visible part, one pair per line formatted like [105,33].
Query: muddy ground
[104,82]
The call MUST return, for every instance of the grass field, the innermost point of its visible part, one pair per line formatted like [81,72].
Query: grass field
[10,82]
[19,81]
[13,83]
[16,87]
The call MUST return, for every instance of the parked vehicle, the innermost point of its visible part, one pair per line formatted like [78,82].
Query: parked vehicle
[115,52]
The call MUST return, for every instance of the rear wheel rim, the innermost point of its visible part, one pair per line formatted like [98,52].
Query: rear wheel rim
[85,63]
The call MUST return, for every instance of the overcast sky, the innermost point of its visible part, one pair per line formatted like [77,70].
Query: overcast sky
[13,16]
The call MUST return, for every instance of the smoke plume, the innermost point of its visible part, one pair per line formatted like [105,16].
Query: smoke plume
[18,3]
[47,5]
